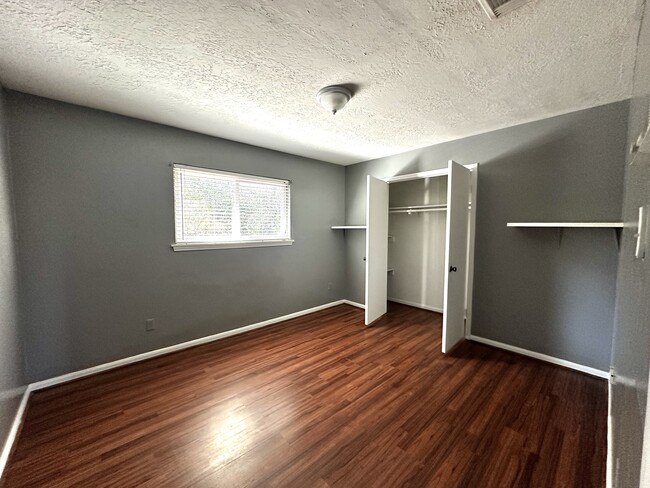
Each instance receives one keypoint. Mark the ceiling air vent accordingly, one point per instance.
(498, 8)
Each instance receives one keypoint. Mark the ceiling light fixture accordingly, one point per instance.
(334, 97)
(497, 8)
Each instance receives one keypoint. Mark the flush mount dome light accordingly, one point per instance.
(333, 98)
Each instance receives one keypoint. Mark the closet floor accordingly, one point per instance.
(321, 401)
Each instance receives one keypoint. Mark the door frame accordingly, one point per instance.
(469, 280)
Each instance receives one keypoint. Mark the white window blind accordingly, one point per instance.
(216, 209)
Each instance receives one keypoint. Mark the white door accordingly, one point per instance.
(458, 191)
(376, 249)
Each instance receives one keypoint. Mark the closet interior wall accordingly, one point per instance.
(416, 243)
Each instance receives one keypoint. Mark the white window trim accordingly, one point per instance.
(199, 246)
(235, 244)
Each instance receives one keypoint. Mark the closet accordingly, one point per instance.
(420, 245)
(417, 218)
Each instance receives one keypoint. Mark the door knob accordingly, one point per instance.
(453, 268)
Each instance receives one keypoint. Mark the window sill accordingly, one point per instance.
(198, 246)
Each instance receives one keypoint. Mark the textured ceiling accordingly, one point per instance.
(427, 70)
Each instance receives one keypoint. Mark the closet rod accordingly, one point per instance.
(412, 207)
(419, 210)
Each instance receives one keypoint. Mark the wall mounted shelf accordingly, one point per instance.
(560, 226)
(602, 225)
(349, 227)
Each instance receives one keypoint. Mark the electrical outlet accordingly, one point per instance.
(149, 325)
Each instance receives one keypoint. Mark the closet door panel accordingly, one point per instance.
(458, 191)
(376, 249)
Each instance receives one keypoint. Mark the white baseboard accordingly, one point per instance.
(354, 304)
(609, 476)
(416, 305)
(39, 385)
(11, 437)
(15, 427)
(543, 357)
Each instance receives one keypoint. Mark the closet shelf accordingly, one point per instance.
(602, 225)
(349, 227)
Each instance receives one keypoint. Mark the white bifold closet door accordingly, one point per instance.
(376, 248)
(458, 191)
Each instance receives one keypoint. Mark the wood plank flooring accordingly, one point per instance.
(321, 401)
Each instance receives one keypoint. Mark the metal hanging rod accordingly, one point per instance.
(419, 210)
(414, 207)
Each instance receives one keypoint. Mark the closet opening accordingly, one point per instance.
(420, 245)
(417, 220)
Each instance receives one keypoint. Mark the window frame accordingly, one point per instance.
(232, 244)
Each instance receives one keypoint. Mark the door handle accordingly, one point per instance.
(453, 268)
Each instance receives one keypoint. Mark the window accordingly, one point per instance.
(216, 209)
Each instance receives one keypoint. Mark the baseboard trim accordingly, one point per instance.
(609, 471)
(416, 305)
(15, 428)
(354, 304)
(543, 357)
(39, 385)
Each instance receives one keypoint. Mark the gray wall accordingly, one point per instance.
(530, 289)
(11, 358)
(631, 348)
(94, 208)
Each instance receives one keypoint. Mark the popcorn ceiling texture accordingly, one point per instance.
(427, 71)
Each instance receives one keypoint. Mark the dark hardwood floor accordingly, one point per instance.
(321, 401)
